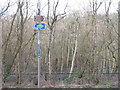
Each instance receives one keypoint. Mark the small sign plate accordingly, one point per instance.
(38, 18)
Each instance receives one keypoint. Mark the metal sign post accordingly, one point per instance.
(39, 26)
(38, 58)
(38, 5)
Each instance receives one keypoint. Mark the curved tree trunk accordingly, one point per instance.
(74, 54)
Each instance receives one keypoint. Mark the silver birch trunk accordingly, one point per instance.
(74, 54)
(68, 53)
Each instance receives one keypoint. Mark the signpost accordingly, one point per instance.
(39, 26)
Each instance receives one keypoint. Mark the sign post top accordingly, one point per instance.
(38, 12)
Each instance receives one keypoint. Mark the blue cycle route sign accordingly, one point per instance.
(39, 26)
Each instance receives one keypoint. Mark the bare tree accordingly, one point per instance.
(51, 21)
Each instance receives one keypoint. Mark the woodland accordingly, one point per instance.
(79, 49)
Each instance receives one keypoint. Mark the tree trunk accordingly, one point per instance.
(74, 54)
(0, 55)
(68, 52)
(49, 55)
(119, 45)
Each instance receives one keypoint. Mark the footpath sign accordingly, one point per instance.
(39, 26)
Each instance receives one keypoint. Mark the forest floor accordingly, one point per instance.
(104, 82)
(30, 85)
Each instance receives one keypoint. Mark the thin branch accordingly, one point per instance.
(5, 8)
